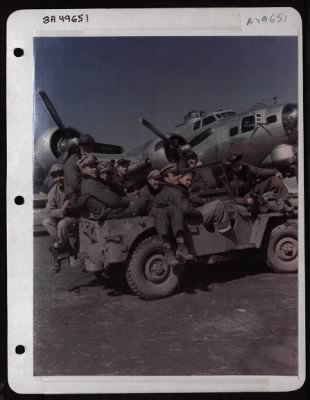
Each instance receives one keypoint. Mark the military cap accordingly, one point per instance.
(105, 166)
(232, 159)
(155, 173)
(171, 167)
(123, 161)
(85, 138)
(87, 159)
(56, 168)
(190, 155)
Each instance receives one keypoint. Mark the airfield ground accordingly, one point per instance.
(229, 319)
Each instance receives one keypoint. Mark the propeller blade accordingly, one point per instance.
(201, 137)
(104, 148)
(62, 158)
(152, 128)
(51, 109)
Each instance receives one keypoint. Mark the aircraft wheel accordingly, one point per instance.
(148, 274)
(282, 250)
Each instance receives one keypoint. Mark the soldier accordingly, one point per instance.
(247, 181)
(59, 216)
(169, 216)
(172, 206)
(100, 201)
(150, 190)
(213, 212)
(105, 169)
(203, 179)
(119, 179)
(72, 173)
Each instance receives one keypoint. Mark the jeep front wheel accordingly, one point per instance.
(148, 274)
(282, 251)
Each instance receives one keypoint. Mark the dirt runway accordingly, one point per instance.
(227, 320)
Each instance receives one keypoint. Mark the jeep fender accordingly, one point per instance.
(264, 224)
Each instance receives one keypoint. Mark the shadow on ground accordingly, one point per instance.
(198, 277)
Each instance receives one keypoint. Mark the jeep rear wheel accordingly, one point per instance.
(282, 251)
(148, 274)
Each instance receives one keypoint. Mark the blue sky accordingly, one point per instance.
(103, 85)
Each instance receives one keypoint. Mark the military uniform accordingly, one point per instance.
(121, 184)
(72, 174)
(100, 200)
(203, 180)
(57, 222)
(172, 205)
(257, 180)
(144, 202)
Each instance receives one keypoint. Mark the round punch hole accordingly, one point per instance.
(20, 349)
(18, 52)
(19, 200)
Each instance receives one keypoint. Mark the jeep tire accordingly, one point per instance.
(148, 275)
(282, 249)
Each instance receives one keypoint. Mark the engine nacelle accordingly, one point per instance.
(283, 157)
(155, 151)
(51, 144)
(46, 148)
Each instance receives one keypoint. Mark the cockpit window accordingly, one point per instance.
(271, 119)
(228, 113)
(248, 124)
(208, 120)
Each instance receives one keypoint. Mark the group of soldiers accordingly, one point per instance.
(103, 191)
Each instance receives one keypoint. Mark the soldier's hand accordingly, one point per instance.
(65, 204)
(279, 175)
(249, 201)
(133, 195)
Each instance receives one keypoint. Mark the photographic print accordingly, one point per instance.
(166, 222)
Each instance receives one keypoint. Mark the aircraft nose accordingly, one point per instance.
(290, 121)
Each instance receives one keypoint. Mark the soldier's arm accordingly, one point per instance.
(262, 172)
(75, 180)
(182, 203)
(73, 175)
(111, 199)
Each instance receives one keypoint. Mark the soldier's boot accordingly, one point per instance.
(169, 255)
(182, 252)
(56, 267)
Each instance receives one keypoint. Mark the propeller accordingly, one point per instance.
(176, 145)
(51, 109)
(201, 137)
(69, 136)
(152, 128)
(290, 121)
